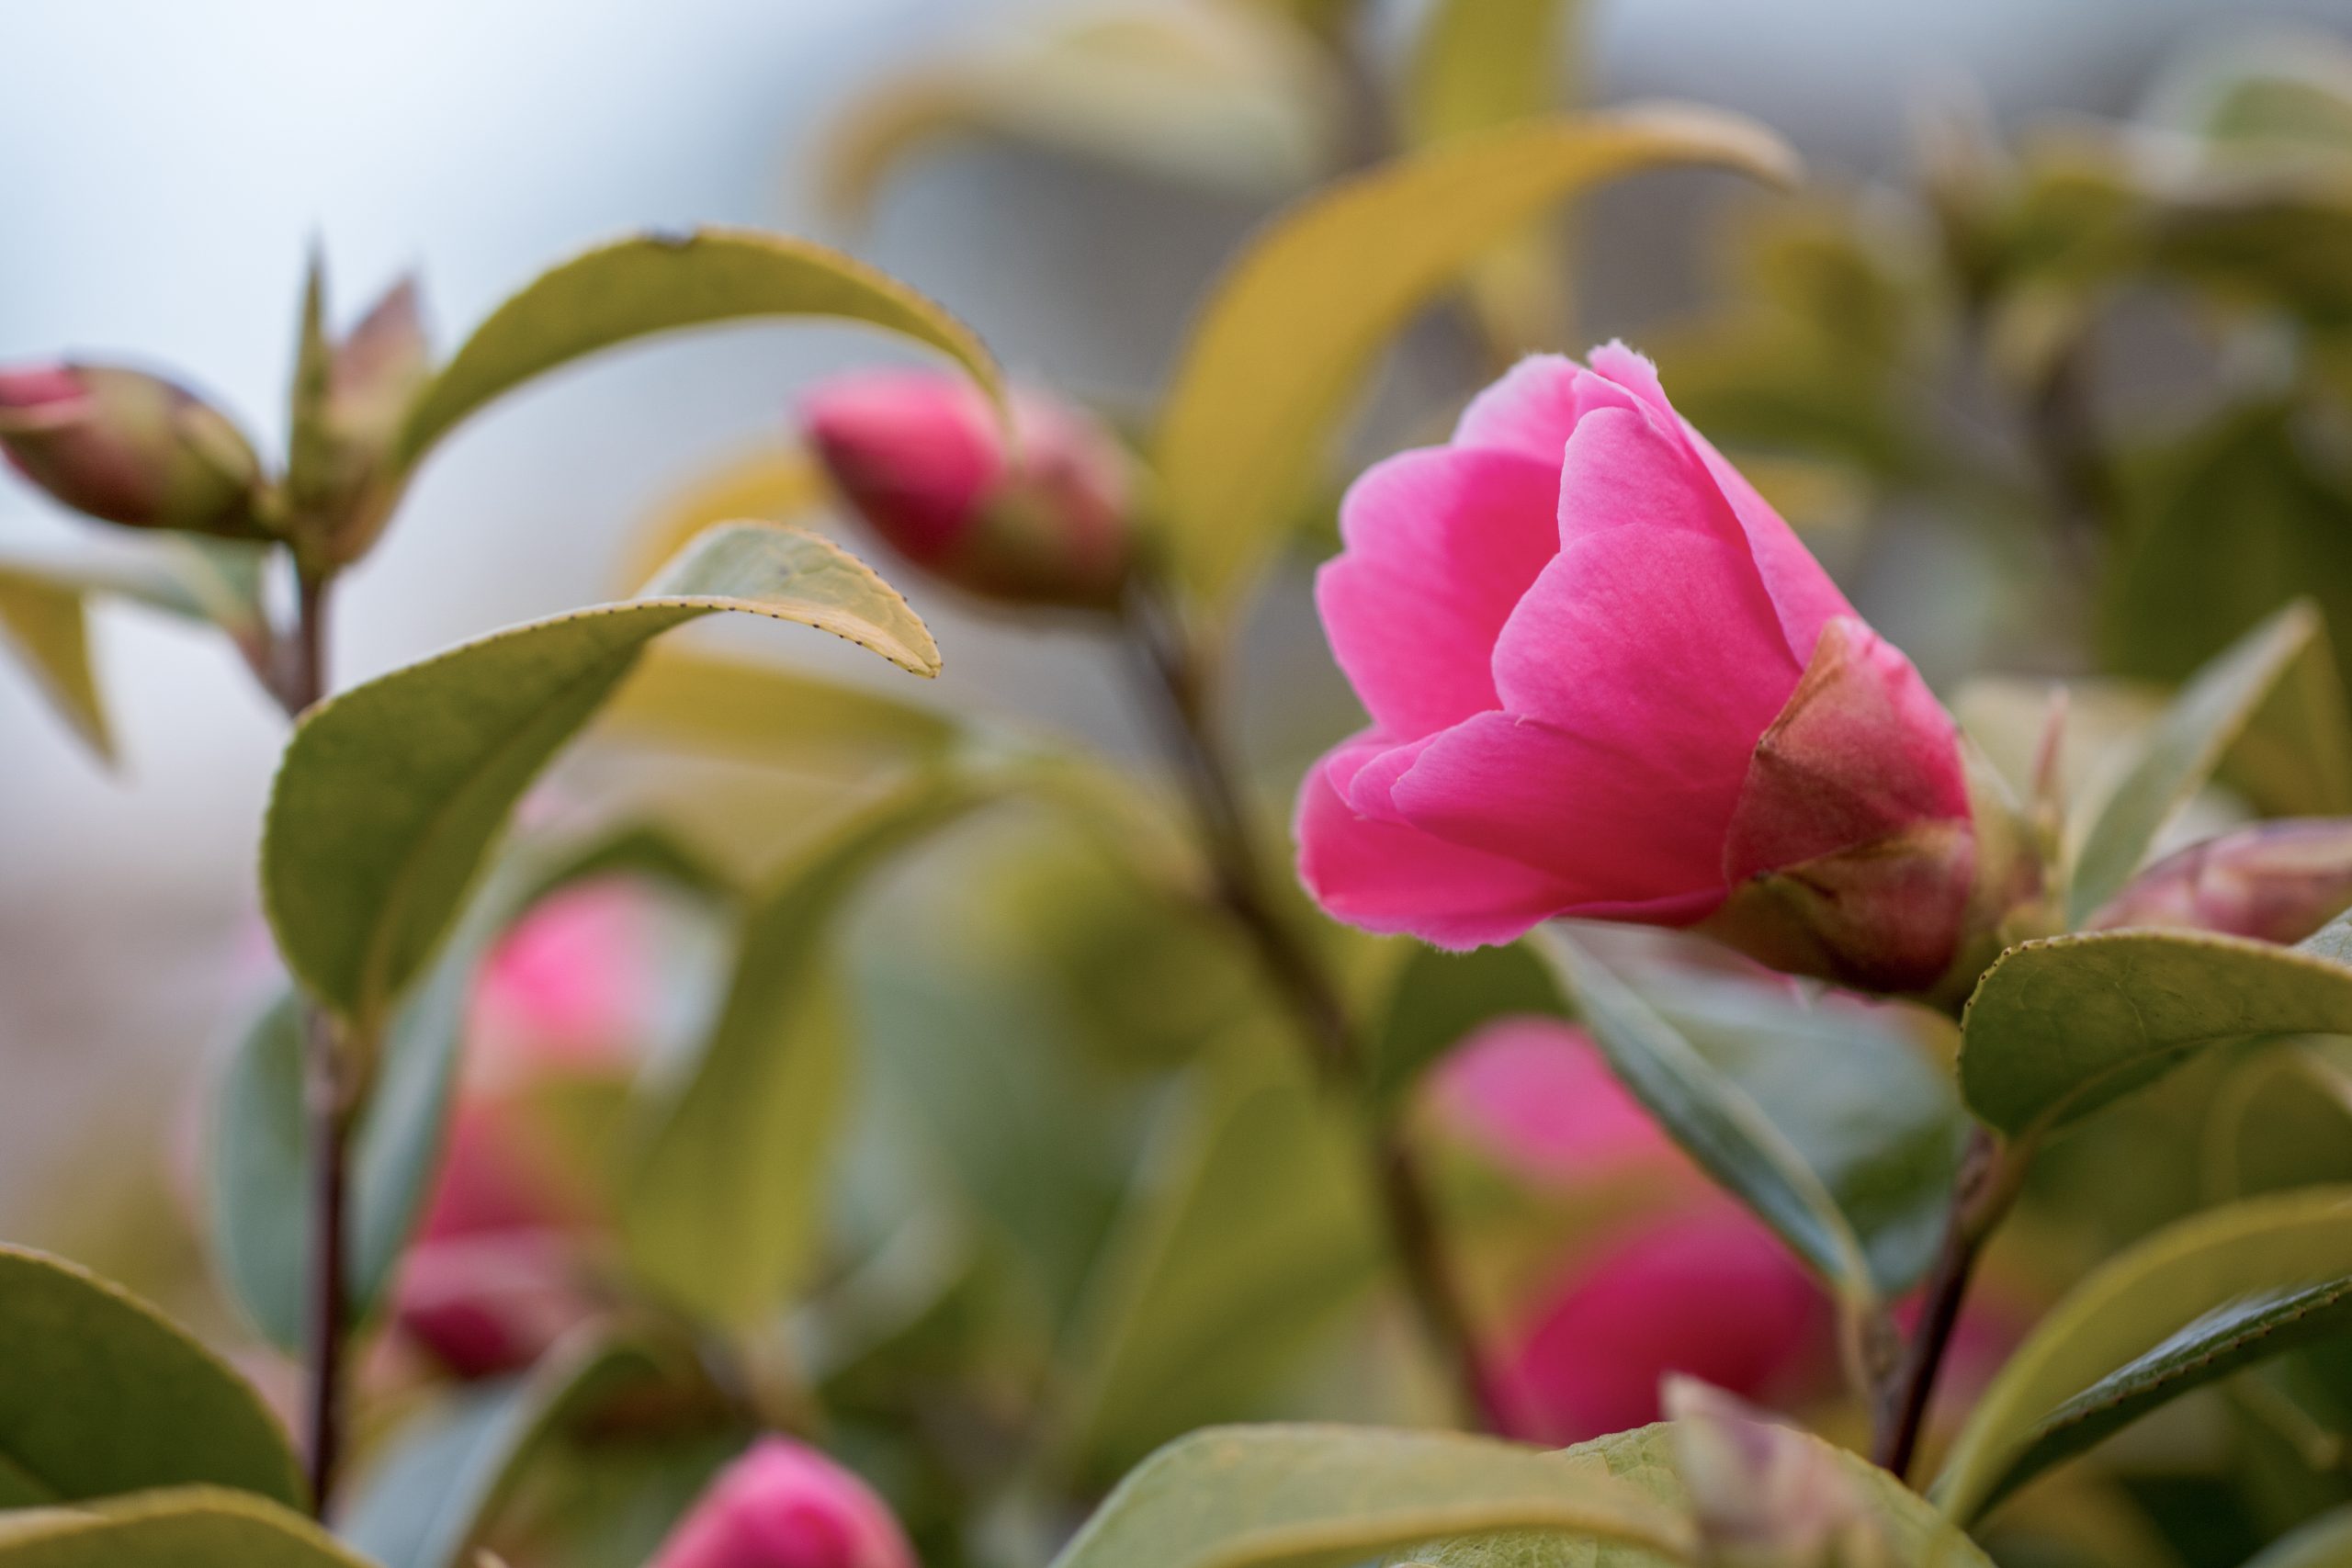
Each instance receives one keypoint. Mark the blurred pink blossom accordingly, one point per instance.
(784, 1505)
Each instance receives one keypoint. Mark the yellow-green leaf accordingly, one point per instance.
(1482, 62)
(44, 622)
(2323, 1542)
(654, 283)
(1310, 1496)
(391, 794)
(100, 1394)
(1290, 329)
(2059, 1027)
(778, 486)
(2192, 1302)
(181, 1527)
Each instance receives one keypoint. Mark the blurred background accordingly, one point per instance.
(168, 166)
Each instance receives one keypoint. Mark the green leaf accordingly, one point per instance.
(1647, 1460)
(656, 283)
(1850, 1086)
(2322, 1542)
(2195, 1301)
(722, 1203)
(1482, 62)
(391, 794)
(741, 708)
(2181, 753)
(1307, 1496)
(100, 1394)
(44, 622)
(1246, 1239)
(191, 1527)
(1285, 337)
(431, 1497)
(1439, 999)
(2059, 1027)
(1715, 1119)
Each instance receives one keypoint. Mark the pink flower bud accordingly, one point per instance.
(2275, 882)
(783, 1504)
(1710, 1293)
(919, 455)
(1606, 682)
(130, 447)
(487, 1304)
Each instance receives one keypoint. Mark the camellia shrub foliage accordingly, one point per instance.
(1671, 1086)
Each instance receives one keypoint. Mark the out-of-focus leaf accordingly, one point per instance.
(2266, 98)
(779, 486)
(2323, 1542)
(1715, 1119)
(688, 700)
(1247, 1238)
(101, 1394)
(1852, 1087)
(428, 1500)
(190, 575)
(656, 283)
(1288, 332)
(391, 794)
(178, 1527)
(1208, 94)
(2194, 1302)
(721, 1208)
(1306, 1496)
(1439, 998)
(2181, 752)
(44, 622)
(2059, 1027)
(1647, 1459)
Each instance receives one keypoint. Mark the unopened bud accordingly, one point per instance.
(352, 397)
(1765, 1496)
(488, 1304)
(784, 1505)
(921, 458)
(130, 447)
(2275, 882)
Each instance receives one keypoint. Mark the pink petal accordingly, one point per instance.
(1537, 1094)
(1536, 406)
(1389, 877)
(1441, 544)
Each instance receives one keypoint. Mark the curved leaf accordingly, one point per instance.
(433, 1496)
(2181, 752)
(391, 794)
(101, 1394)
(1310, 1496)
(722, 1201)
(1715, 1119)
(2062, 1026)
(2323, 1542)
(1285, 337)
(1650, 1460)
(654, 283)
(43, 621)
(191, 1527)
(689, 700)
(777, 485)
(2195, 1301)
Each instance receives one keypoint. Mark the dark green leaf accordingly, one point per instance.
(101, 1394)
(1304, 1496)
(391, 794)
(2323, 1542)
(2196, 1300)
(2059, 1027)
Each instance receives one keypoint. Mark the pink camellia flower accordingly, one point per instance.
(920, 455)
(1536, 1094)
(128, 447)
(2275, 882)
(571, 988)
(1606, 682)
(1709, 1292)
(783, 1504)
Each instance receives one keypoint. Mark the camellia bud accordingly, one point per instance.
(130, 447)
(351, 398)
(921, 458)
(1765, 1495)
(2275, 882)
(784, 1505)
